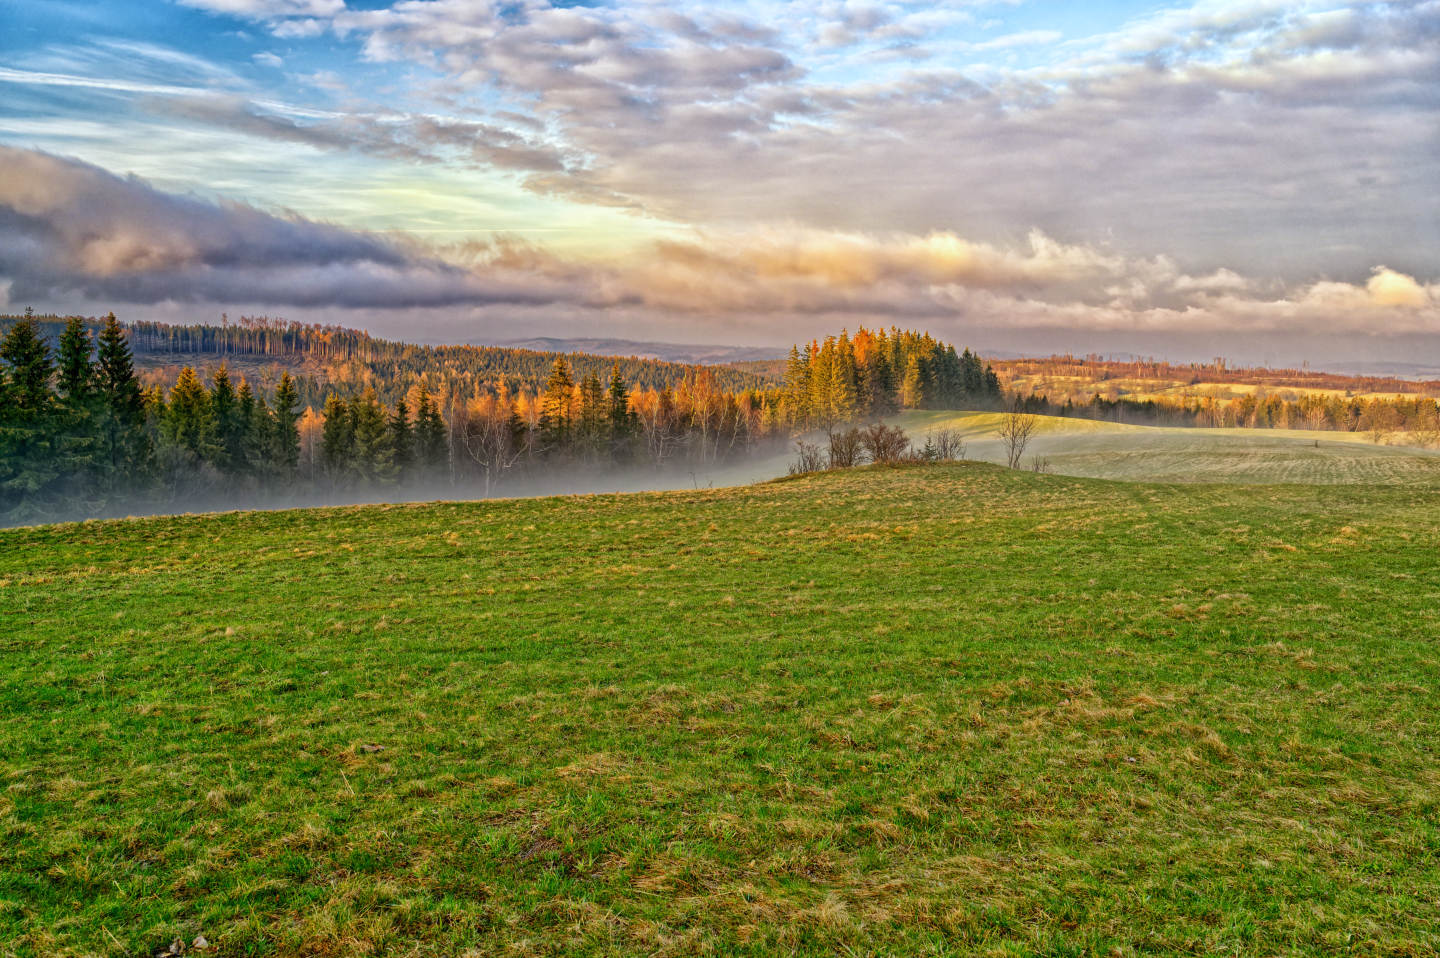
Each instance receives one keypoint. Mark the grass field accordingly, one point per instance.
(929, 710)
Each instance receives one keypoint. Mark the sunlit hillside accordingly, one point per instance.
(927, 710)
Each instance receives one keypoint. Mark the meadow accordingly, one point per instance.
(943, 709)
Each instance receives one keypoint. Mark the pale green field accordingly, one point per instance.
(1102, 450)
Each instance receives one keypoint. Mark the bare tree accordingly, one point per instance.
(1016, 428)
(845, 449)
(490, 441)
(946, 444)
(808, 458)
(887, 444)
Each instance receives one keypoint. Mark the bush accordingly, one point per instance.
(886, 444)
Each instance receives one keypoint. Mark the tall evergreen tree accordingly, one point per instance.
(126, 451)
(28, 468)
(77, 373)
(286, 431)
(432, 451)
(402, 441)
(912, 387)
(337, 440)
(622, 420)
(189, 420)
(555, 406)
(229, 424)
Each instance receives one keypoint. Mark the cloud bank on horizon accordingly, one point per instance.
(999, 171)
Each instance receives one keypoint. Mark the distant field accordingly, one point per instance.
(931, 710)
(1104, 450)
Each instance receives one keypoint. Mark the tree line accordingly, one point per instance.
(1415, 418)
(322, 359)
(82, 431)
(81, 434)
(876, 374)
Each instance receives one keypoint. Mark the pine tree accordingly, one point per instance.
(432, 450)
(912, 387)
(797, 385)
(77, 375)
(372, 447)
(28, 467)
(593, 409)
(402, 441)
(126, 451)
(189, 421)
(622, 420)
(337, 440)
(285, 456)
(76, 430)
(229, 426)
(880, 385)
(555, 406)
(253, 439)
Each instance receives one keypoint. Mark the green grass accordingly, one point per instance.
(939, 710)
(1103, 450)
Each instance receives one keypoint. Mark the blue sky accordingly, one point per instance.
(1015, 172)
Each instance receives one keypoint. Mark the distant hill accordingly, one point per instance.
(707, 354)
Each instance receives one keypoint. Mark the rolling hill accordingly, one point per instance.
(945, 709)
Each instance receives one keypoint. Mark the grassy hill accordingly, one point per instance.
(939, 709)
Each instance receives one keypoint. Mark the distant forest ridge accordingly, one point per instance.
(1094, 369)
(326, 359)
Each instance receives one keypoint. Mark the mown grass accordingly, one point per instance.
(931, 710)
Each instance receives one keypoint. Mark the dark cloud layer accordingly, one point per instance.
(71, 231)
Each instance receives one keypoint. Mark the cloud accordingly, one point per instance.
(1389, 288)
(68, 227)
(68, 230)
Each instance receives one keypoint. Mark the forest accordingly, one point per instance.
(83, 434)
(325, 359)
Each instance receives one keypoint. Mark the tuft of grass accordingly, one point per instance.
(931, 710)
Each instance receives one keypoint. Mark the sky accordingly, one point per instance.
(1256, 180)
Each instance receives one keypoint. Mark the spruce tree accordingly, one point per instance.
(28, 466)
(77, 374)
(337, 440)
(189, 420)
(126, 451)
(622, 420)
(555, 405)
(402, 441)
(252, 439)
(431, 449)
(285, 432)
(229, 426)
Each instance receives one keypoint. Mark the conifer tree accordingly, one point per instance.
(432, 450)
(254, 429)
(77, 374)
(189, 420)
(27, 419)
(593, 409)
(337, 439)
(622, 420)
(912, 387)
(402, 441)
(229, 427)
(286, 432)
(555, 407)
(372, 447)
(126, 451)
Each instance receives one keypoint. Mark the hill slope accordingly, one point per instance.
(1106, 450)
(921, 710)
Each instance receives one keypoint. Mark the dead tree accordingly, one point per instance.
(1016, 428)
